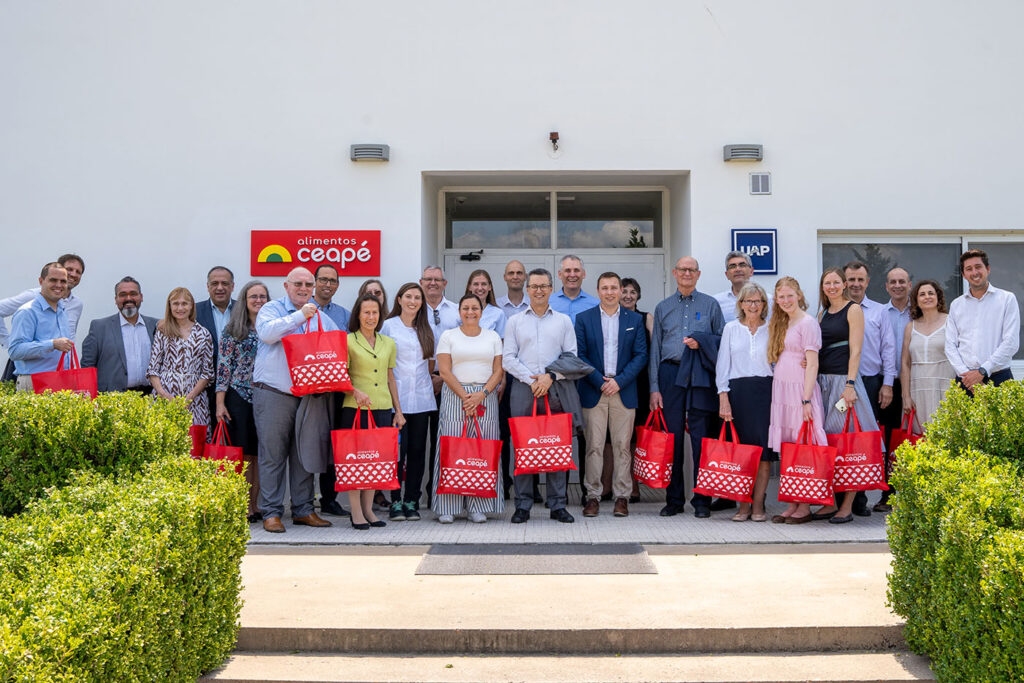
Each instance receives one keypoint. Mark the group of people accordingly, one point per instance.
(428, 365)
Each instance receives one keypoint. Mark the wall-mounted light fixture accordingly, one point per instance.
(743, 152)
(370, 152)
(553, 137)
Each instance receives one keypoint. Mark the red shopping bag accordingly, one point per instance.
(198, 434)
(727, 470)
(652, 458)
(469, 467)
(904, 433)
(317, 360)
(806, 472)
(860, 463)
(542, 443)
(365, 459)
(221, 449)
(75, 379)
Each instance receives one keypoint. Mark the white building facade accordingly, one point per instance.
(152, 138)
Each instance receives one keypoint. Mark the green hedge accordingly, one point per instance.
(45, 439)
(127, 578)
(957, 538)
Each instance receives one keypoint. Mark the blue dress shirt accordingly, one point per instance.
(493, 318)
(33, 328)
(336, 312)
(276, 320)
(676, 318)
(898, 319)
(878, 353)
(570, 307)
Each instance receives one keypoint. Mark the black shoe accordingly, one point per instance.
(671, 510)
(701, 513)
(862, 511)
(841, 520)
(562, 515)
(333, 508)
(378, 524)
(819, 516)
(605, 497)
(255, 517)
(365, 526)
(520, 516)
(634, 499)
(722, 504)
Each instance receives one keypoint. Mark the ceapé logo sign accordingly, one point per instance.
(355, 253)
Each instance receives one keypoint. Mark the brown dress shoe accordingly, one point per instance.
(273, 525)
(591, 508)
(312, 519)
(621, 508)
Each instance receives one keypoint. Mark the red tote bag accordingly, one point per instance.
(542, 443)
(727, 470)
(365, 459)
(469, 467)
(904, 433)
(198, 434)
(317, 360)
(221, 449)
(75, 379)
(652, 458)
(807, 470)
(860, 463)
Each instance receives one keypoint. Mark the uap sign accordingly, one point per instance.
(353, 252)
(760, 244)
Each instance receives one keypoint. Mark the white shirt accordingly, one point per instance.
(532, 342)
(137, 348)
(72, 306)
(610, 332)
(444, 317)
(741, 354)
(412, 370)
(493, 318)
(472, 357)
(220, 320)
(983, 332)
(878, 353)
(727, 301)
(509, 308)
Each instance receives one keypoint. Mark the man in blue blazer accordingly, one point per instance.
(613, 340)
(118, 346)
(214, 313)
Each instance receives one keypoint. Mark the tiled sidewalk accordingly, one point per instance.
(642, 526)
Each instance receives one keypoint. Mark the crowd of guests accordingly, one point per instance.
(428, 364)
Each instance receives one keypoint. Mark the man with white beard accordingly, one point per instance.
(118, 346)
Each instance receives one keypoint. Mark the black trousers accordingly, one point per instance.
(701, 423)
(412, 455)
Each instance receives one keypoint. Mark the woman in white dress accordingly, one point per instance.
(925, 372)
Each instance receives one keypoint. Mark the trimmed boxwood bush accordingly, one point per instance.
(126, 578)
(957, 538)
(44, 439)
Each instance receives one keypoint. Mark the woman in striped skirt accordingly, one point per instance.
(469, 362)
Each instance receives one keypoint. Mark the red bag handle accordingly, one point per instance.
(856, 421)
(220, 434)
(369, 416)
(309, 321)
(805, 434)
(907, 424)
(547, 405)
(732, 426)
(465, 429)
(73, 363)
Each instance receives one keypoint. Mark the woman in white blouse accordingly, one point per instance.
(493, 318)
(745, 386)
(409, 327)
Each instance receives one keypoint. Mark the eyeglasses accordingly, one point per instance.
(686, 271)
(258, 297)
(307, 284)
(437, 317)
(432, 279)
(327, 280)
(751, 302)
(538, 288)
(736, 266)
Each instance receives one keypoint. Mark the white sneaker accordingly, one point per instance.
(446, 519)
(477, 517)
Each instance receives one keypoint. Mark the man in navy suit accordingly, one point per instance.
(214, 313)
(118, 346)
(613, 340)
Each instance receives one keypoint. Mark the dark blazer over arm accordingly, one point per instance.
(632, 356)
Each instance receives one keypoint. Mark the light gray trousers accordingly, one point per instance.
(274, 414)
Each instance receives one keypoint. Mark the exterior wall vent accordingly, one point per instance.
(743, 152)
(760, 183)
(366, 152)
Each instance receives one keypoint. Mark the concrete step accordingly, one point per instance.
(246, 667)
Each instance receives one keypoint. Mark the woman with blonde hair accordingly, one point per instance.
(794, 339)
(181, 361)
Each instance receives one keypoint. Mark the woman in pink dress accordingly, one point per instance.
(793, 338)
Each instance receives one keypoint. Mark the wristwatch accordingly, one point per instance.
(805, 402)
(552, 376)
(486, 392)
(851, 383)
(983, 371)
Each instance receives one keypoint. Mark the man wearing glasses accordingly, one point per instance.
(275, 408)
(738, 270)
(326, 277)
(687, 329)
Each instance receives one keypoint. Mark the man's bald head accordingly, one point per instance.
(299, 286)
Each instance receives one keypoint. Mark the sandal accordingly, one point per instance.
(741, 517)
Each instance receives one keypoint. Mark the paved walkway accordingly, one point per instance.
(642, 526)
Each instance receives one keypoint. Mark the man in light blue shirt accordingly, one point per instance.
(572, 299)
(515, 300)
(276, 409)
(326, 277)
(40, 331)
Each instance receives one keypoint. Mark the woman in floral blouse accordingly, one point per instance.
(234, 382)
(181, 361)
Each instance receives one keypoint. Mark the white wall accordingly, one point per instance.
(151, 137)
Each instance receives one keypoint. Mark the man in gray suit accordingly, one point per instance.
(118, 346)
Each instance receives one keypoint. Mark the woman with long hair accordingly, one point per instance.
(181, 360)
(842, 338)
(493, 318)
(371, 365)
(408, 326)
(794, 339)
(925, 372)
(235, 361)
(469, 360)
(744, 380)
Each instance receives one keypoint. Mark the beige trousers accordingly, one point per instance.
(609, 416)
